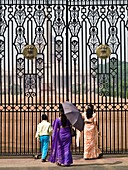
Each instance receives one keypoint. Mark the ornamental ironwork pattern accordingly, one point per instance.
(30, 85)
(58, 23)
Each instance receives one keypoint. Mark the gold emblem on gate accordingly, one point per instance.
(30, 52)
(103, 51)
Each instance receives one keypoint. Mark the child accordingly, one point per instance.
(44, 131)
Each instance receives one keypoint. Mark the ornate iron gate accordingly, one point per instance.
(66, 34)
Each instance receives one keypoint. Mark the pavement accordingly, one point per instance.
(107, 162)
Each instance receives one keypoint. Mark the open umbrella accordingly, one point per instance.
(73, 115)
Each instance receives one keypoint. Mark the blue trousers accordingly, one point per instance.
(44, 145)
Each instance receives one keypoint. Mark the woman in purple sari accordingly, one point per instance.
(61, 141)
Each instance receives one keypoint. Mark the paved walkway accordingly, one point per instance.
(108, 162)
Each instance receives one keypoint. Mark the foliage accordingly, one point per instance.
(118, 78)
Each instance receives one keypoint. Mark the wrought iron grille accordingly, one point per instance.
(66, 35)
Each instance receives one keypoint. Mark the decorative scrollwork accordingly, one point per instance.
(20, 15)
(39, 15)
(30, 85)
(20, 67)
(113, 40)
(40, 41)
(94, 67)
(74, 47)
(93, 15)
(40, 67)
(1, 49)
(74, 23)
(112, 15)
(113, 66)
(59, 49)
(20, 41)
(3, 23)
(58, 23)
(103, 84)
(93, 40)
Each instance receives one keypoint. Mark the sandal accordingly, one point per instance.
(57, 163)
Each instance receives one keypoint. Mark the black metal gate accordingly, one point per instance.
(66, 34)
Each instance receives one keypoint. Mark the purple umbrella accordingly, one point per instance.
(73, 115)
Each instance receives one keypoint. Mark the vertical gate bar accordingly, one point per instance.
(106, 95)
(5, 101)
(82, 53)
(13, 74)
(63, 74)
(47, 72)
(114, 113)
(8, 89)
(24, 102)
(118, 134)
(67, 55)
(49, 64)
(110, 103)
(32, 104)
(28, 72)
(102, 102)
(117, 101)
(79, 70)
(28, 124)
(121, 83)
(90, 79)
(98, 106)
(20, 114)
(36, 106)
(1, 132)
(109, 110)
(63, 63)
(114, 105)
(51, 72)
(55, 70)
(125, 88)
(59, 80)
(74, 79)
(70, 58)
(1, 77)
(16, 80)
(126, 84)
(55, 99)
(86, 63)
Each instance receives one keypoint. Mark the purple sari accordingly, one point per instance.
(61, 144)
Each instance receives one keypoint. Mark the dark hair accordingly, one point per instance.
(61, 108)
(44, 117)
(89, 111)
(63, 119)
(90, 106)
(62, 115)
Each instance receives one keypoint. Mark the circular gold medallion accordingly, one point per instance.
(103, 51)
(30, 52)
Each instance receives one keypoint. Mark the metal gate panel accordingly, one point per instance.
(66, 35)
